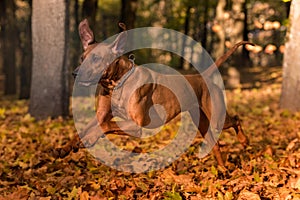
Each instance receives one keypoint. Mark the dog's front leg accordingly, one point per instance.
(105, 126)
(104, 109)
(75, 143)
(91, 132)
(103, 114)
(127, 128)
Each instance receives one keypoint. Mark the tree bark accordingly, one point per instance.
(290, 97)
(76, 12)
(237, 34)
(128, 12)
(205, 31)
(49, 86)
(89, 11)
(220, 45)
(74, 41)
(185, 65)
(2, 35)
(245, 33)
(9, 56)
(26, 63)
(288, 8)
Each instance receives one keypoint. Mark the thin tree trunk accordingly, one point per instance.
(245, 34)
(26, 63)
(288, 8)
(2, 39)
(290, 97)
(205, 32)
(220, 45)
(128, 12)
(89, 11)
(10, 49)
(76, 14)
(128, 16)
(237, 33)
(184, 65)
(75, 50)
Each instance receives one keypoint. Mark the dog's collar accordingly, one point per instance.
(126, 76)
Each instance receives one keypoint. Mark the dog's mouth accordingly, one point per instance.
(86, 82)
(87, 77)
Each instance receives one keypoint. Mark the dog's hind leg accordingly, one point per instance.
(203, 126)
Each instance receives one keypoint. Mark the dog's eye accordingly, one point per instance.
(81, 58)
(95, 58)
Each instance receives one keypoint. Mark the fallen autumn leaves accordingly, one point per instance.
(268, 169)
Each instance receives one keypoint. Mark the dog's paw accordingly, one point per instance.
(205, 149)
(243, 139)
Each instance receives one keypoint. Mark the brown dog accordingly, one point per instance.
(131, 92)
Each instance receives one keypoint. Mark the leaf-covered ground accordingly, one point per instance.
(269, 168)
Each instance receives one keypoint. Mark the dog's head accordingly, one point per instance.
(97, 57)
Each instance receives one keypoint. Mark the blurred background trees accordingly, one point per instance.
(216, 24)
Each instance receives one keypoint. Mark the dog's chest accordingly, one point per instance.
(119, 103)
(121, 96)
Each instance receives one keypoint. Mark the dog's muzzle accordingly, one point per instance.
(83, 82)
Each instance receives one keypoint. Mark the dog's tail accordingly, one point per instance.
(209, 71)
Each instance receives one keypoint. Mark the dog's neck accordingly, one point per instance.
(117, 70)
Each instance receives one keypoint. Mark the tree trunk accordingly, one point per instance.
(9, 56)
(290, 97)
(288, 8)
(185, 65)
(205, 32)
(2, 35)
(246, 55)
(220, 32)
(237, 33)
(89, 11)
(76, 12)
(128, 12)
(26, 63)
(74, 40)
(49, 86)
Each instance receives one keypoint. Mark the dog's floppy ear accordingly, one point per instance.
(86, 34)
(118, 46)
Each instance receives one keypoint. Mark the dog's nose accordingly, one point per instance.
(75, 72)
